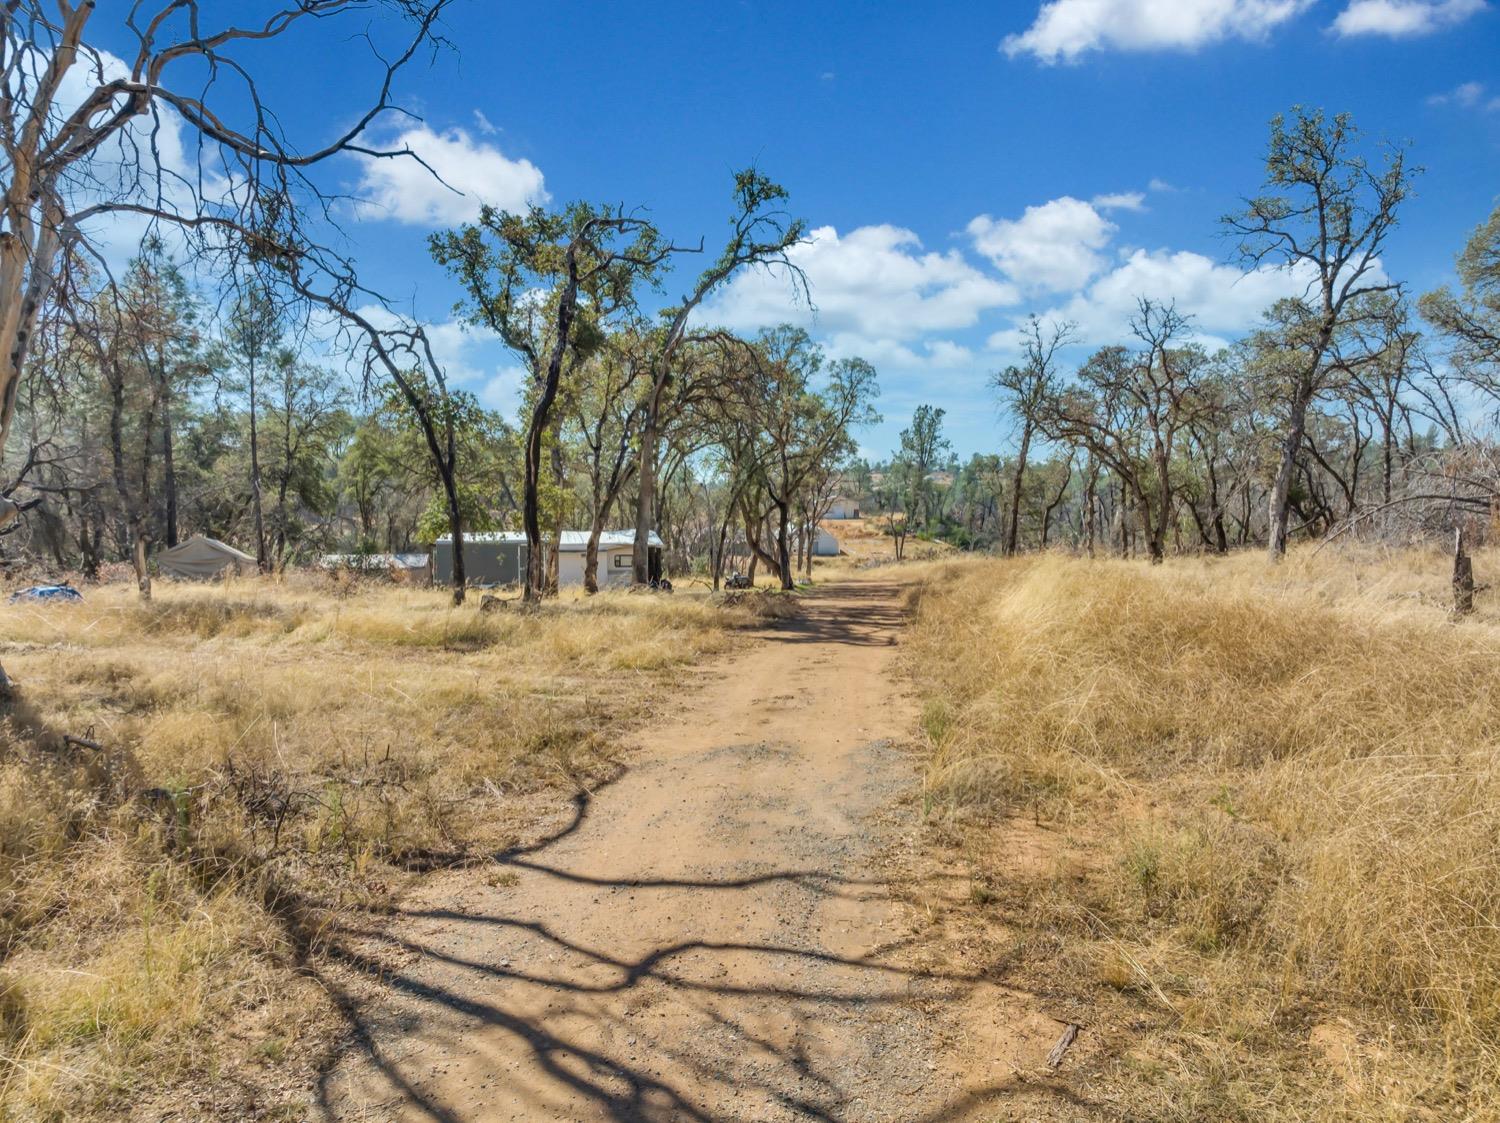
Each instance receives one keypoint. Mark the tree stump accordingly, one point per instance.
(1463, 576)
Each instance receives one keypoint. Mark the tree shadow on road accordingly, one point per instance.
(546, 1018)
(453, 997)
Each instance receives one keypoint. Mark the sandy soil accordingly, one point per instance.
(728, 931)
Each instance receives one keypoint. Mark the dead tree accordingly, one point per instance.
(762, 235)
(68, 161)
(1025, 390)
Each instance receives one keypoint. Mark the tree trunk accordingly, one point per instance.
(1164, 512)
(1156, 534)
(284, 477)
(536, 562)
(1089, 502)
(1153, 526)
(138, 563)
(22, 295)
(169, 474)
(134, 516)
(784, 546)
(718, 558)
(645, 500)
(1056, 502)
(591, 556)
(1280, 500)
(1216, 509)
(91, 546)
(758, 552)
(554, 562)
(1386, 459)
(283, 484)
(531, 512)
(1012, 532)
(1281, 490)
(256, 506)
(455, 531)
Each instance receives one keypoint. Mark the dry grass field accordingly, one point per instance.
(867, 541)
(192, 790)
(1242, 822)
(1246, 819)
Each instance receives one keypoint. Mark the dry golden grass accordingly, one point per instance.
(867, 542)
(271, 755)
(1274, 796)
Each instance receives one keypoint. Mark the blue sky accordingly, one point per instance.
(962, 164)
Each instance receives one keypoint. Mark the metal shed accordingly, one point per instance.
(499, 558)
(489, 559)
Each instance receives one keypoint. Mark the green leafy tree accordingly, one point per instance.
(1469, 320)
(803, 417)
(549, 284)
(923, 447)
(1327, 213)
(761, 233)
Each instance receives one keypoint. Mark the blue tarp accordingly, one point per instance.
(47, 592)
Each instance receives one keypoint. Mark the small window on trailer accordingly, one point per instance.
(619, 561)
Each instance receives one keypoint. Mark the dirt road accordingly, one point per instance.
(709, 937)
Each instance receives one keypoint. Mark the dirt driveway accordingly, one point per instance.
(713, 936)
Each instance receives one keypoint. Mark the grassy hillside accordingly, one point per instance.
(195, 791)
(1250, 817)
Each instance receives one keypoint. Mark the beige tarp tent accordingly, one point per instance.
(202, 559)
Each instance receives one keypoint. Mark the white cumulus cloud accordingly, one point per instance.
(888, 354)
(874, 283)
(1402, 18)
(1223, 300)
(1053, 246)
(400, 188)
(1065, 29)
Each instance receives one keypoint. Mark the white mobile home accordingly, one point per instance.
(499, 557)
(409, 566)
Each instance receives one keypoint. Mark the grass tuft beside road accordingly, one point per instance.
(1272, 803)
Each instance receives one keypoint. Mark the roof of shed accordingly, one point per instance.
(572, 540)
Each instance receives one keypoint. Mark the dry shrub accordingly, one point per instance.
(206, 617)
(759, 603)
(1293, 775)
(271, 756)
